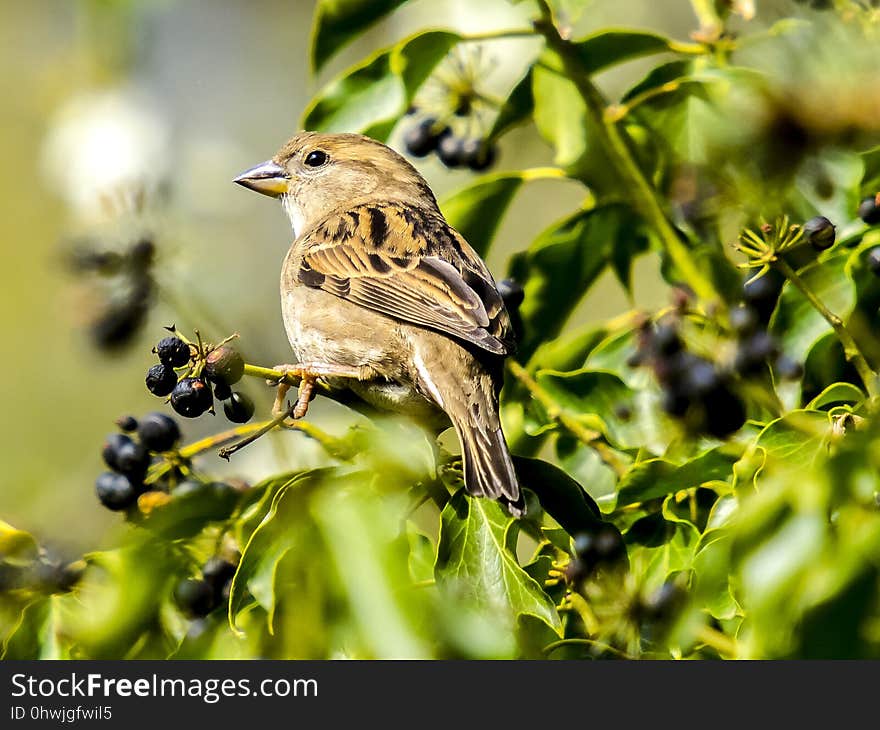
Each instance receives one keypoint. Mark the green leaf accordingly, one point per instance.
(594, 394)
(561, 496)
(16, 546)
(611, 47)
(836, 393)
(284, 527)
(372, 95)
(562, 263)
(421, 555)
(560, 113)
(657, 477)
(37, 634)
(516, 109)
(188, 514)
(360, 532)
(476, 558)
(796, 324)
(338, 22)
(476, 210)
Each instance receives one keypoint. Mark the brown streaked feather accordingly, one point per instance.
(406, 262)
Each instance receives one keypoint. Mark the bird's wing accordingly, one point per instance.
(408, 263)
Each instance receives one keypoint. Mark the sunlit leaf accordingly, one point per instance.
(476, 559)
(338, 22)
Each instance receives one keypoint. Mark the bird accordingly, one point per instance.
(381, 295)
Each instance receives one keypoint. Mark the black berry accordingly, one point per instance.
(421, 139)
(869, 210)
(699, 379)
(218, 574)
(110, 451)
(819, 231)
(763, 292)
(743, 320)
(874, 261)
(450, 150)
(666, 340)
(754, 352)
(127, 423)
(158, 432)
(191, 397)
(195, 597)
(724, 413)
(173, 351)
(788, 369)
(132, 460)
(511, 292)
(224, 363)
(115, 491)
(675, 403)
(239, 408)
(222, 390)
(477, 154)
(161, 379)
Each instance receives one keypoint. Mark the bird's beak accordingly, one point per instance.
(267, 178)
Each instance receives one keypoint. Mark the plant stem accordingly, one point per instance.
(617, 146)
(850, 348)
(495, 35)
(587, 436)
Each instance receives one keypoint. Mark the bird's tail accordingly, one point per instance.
(488, 468)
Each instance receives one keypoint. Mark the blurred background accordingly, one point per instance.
(123, 125)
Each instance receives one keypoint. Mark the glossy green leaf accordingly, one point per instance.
(372, 95)
(561, 496)
(516, 109)
(836, 393)
(476, 210)
(611, 47)
(38, 632)
(338, 22)
(657, 477)
(283, 528)
(562, 263)
(16, 546)
(796, 323)
(476, 558)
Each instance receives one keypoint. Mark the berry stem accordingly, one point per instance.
(587, 436)
(850, 348)
(617, 145)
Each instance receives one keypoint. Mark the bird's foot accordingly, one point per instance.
(308, 374)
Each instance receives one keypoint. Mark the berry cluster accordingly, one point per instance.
(131, 288)
(450, 117)
(208, 372)
(592, 551)
(198, 597)
(430, 135)
(129, 454)
(694, 389)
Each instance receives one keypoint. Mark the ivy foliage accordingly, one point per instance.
(650, 532)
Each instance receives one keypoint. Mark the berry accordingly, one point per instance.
(115, 491)
(239, 408)
(661, 604)
(874, 261)
(109, 452)
(158, 432)
(754, 352)
(224, 363)
(819, 231)
(743, 320)
(675, 403)
(132, 459)
(421, 140)
(173, 351)
(218, 573)
(450, 150)
(477, 154)
(127, 423)
(195, 597)
(869, 210)
(583, 545)
(609, 545)
(161, 379)
(511, 292)
(724, 413)
(222, 390)
(763, 292)
(666, 340)
(699, 379)
(191, 397)
(788, 369)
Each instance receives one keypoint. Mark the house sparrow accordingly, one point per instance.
(379, 294)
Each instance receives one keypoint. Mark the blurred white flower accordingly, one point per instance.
(107, 152)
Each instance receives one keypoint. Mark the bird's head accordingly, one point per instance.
(315, 174)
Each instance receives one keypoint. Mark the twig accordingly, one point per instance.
(587, 436)
(618, 148)
(850, 348)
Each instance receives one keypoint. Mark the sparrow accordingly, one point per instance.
(381, 295)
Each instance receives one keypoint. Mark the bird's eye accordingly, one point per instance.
(316, 158)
